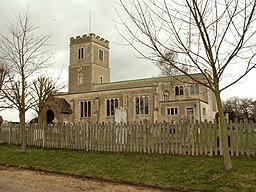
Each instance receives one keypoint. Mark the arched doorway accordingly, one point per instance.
(50, 116)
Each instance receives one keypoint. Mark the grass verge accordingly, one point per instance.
(166, 171)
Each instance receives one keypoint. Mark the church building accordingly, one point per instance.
(92, 97)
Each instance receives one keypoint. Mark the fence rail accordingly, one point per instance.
(183, 139)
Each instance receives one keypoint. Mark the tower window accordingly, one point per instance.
(101, 55)
(80, 53)
(141, 105)
(80, 79)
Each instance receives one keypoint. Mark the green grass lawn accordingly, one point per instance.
(178, 172)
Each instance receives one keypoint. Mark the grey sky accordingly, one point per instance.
(69, 18)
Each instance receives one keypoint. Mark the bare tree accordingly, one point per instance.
(43, 89)
(213, 36)
(25, 52)
(242, 107)
(166, 68)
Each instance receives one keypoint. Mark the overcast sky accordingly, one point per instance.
(68, 18)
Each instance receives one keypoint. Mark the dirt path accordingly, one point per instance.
(17, 180)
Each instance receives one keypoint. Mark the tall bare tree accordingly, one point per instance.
(213, 36)
(25, 52)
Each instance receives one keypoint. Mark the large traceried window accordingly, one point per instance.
(142, 105)
(112, 104)
(179, 90)
(85, 109)
(80, 53)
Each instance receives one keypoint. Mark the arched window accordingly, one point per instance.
(80, 53)
(80, 79)
(179, 90)
(50, 116)
(166, 95)
(101, 54)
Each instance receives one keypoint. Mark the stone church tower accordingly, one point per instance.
(89, 63)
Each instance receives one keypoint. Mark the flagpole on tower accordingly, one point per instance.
(90, 21)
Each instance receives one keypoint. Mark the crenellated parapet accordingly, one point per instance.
(89, 38)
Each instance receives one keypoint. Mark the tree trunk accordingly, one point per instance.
(23, 132)
(223, 133)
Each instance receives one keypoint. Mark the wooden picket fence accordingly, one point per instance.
(165, 138)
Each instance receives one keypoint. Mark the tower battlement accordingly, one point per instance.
(89, 38)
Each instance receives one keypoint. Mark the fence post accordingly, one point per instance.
(247, 145)
(253, 129)
(210, 138)
(9, 135)
(145, 139)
